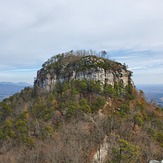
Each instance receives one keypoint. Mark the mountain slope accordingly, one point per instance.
(79, 118)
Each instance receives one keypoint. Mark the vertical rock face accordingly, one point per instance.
(45, 81)
(87, 67)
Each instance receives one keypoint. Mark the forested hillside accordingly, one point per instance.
(78, 118)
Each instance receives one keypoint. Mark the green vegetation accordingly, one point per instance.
(71, 121)
(126, 152)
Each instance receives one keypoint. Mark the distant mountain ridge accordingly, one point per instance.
(152, 92)
(17, 84)
(9, 88)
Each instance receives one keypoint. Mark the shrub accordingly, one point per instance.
(93, 86)
(1, 134)
(72, 109)
(126, 152)
(81, 85)
(28, 141)
(124, 109)
(138, 119)
(47, 132)
(159, 138)
(98, 103)
(6, 110)
(109, 90)
(84, 105)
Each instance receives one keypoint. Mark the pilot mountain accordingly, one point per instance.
(83, 107)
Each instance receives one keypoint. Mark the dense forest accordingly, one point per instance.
(75, 120)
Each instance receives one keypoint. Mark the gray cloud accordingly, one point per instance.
(34, 30)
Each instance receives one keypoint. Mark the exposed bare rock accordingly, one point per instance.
(88, 67)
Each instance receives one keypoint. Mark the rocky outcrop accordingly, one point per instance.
(102, 152)
(87, 67)
(155, 161)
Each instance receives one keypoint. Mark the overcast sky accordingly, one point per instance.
(31, 31)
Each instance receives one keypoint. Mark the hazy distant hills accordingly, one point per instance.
(153, 92)
(8, 88)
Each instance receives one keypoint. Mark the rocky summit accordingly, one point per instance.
(78, 66)
(83, 108)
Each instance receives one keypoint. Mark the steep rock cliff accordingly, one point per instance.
(65, 67)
